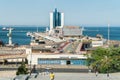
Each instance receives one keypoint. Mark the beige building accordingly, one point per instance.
(55, 59)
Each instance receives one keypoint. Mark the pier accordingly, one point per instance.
(36, 35)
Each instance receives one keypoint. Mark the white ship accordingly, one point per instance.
(4, 28)
(28, 33)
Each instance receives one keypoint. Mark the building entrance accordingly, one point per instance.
(68, 62)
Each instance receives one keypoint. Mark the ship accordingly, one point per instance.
(4, 28)
(28, 33)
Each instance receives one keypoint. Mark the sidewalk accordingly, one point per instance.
(79, 76)
(8, 75)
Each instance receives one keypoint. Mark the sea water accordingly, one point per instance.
(19, 33)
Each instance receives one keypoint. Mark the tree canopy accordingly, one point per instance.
(22, 69)
(105, 60)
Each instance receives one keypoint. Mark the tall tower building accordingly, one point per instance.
(56, 19)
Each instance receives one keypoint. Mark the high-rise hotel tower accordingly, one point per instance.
(56, 19)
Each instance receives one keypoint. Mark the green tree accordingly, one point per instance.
(105, 59)
(5, 61)
(22, 69)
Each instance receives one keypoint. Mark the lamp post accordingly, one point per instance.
(96, 70)
(108, 34)
(108, 48)
(107, 73)
(107, 62)
(30, 62)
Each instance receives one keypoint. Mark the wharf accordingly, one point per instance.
(43, 35)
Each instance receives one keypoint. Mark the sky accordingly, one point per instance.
(77, 12)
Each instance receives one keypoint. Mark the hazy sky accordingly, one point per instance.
(77, 12)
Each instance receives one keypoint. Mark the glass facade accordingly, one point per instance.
(78, 62)
(56, 18)
(62, 62)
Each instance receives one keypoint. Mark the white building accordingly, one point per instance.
(55, 59)
(59, 59)
(97, 43)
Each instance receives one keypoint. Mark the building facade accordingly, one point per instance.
(72, 31)
(56, 19)
(56, 59)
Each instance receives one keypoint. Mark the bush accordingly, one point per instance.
(22, 69)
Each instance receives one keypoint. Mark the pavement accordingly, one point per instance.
(77, 76)
(71, 76)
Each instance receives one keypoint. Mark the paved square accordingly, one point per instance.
(78, 76)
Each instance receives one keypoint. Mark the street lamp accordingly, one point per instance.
(30, 62)
(107, 62)
(107, 73)
(96, 70)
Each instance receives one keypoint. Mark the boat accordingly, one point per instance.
(4, 28)
(28, 33)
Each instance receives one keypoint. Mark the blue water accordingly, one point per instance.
(19, 33)
(93, 31)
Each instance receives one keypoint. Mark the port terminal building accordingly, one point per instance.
(55, 59)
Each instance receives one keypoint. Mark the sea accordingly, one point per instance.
(19, 33)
